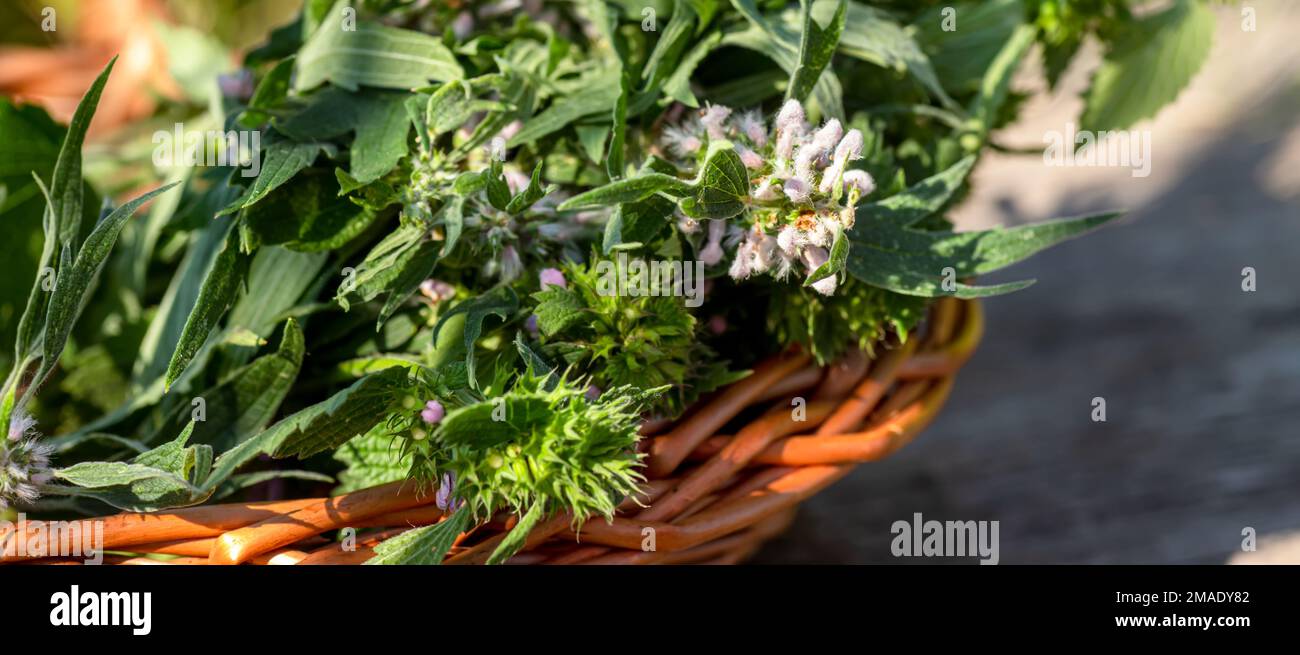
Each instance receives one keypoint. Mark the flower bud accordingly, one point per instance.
(790, 118)
(860, 180)
(433, 412)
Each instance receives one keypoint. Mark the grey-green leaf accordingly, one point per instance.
(632, 189)
(350, 54)
(913, 262)
(219, 290)
(73, 282)
(816, 47)
(65, 187)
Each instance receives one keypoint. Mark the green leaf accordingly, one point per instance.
(531, 194)
(337, 420)
(835, 263)
(495, 186)
(381, 138)
(452, 218)
(162, 478)
(349, 54)
(517, 536)
(425, 545)
(270, 91)
(65, 188)
(816, 47)
(997, 79)
(678, 84)
(306, 214)
(372, 459)
(72, 285)
(284, 159)
(637, 223)
(912, 262)
(782, 46)
(960, 56)
(632, 189)
(558, 308)
(1148, 65)
(220, 287)
(500, 302)
(921, 200)
(723, 186)
(411, 272)
(383, 265)
(244, 403)
(599, 94)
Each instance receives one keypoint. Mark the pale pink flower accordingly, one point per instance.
(797, 190)
(751, 125)
(711, 254)
(713, 118)
(752, 160)
(552, 276)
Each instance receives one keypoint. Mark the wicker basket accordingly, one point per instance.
(710, 498)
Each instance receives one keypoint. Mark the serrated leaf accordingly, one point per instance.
(349, 54)
(381, 138)
(306, 214)
(244, 403)
(1146, 68)
(335, 421)
(558, 308)
(164, 477)
(372, 459)
(425, 545)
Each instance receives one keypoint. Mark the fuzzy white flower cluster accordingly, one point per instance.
(803, 195)
(24, 462)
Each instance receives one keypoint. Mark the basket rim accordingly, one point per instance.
(708, 497)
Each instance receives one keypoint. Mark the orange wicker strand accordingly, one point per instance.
(331, 513)
(668, 451)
